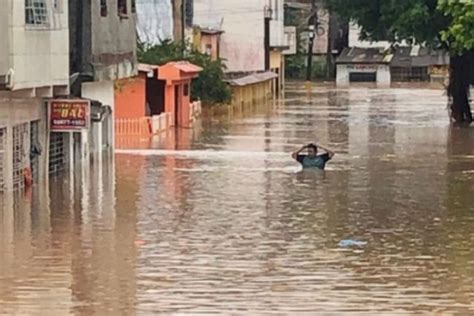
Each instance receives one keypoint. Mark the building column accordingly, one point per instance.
(8, 156)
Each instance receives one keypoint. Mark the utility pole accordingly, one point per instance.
(183, 28)
(268, 17)
(312, 26)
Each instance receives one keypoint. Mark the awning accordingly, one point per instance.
(357, 55)
(252, 79)
(179, 70)
(147, 68)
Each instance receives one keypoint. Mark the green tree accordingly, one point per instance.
(436, 23)
(209, 86)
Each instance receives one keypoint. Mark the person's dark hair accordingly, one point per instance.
(312, 146)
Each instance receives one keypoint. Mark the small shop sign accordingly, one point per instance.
(69, 115)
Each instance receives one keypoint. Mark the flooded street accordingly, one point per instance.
(224, 221)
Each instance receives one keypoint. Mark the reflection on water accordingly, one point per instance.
(229, 223)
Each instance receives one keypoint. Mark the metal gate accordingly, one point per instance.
(34, 156)
(56, 153)
(3, 141)
(20, 145)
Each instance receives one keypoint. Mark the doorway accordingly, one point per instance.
(363, 77)
(177, 100)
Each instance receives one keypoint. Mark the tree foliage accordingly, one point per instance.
(447, 23)
(460, 32)
(437, 23)
(209, 86)
(417, 21)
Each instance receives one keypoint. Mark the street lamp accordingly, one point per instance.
(268, 12)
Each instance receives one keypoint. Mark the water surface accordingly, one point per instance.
(220, 219)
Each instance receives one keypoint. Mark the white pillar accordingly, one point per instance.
(342, 76)
(383, 76)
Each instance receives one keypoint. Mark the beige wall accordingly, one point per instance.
(243, 24)
(113, 43)
(4, 39)
(211, 40)
(39, 55)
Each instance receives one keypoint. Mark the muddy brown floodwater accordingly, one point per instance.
(221, 220)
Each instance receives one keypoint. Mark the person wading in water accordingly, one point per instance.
(312, 159)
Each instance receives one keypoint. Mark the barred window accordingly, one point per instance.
(36, 12)
(122, 8)
(103, 8)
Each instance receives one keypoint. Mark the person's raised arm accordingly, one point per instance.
(295, 154)
(330, 152)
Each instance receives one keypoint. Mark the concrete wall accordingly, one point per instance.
(277, 27)
(4, 38)
(342, 76)
(243, 24)
(39, 55)
(104, 92)
(155, 20)
(113, 43)
(354, 39)
(213, 41)
(16, 111)
(382, 74)
(130, 97)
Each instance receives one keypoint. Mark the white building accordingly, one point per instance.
(242, 42)
(34, 64)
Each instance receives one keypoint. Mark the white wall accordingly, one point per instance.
(383, 75)
(154, 20)
(242, 43)
(4, 39)
(277, 27)
(104, 92)
(290, 40)
(342, 76)
(39, 55)
(384, 78)
(354, 41)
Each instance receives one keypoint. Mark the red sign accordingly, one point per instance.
(69, 115)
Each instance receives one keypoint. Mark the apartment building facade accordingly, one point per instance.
(34, 66)
(103, 51)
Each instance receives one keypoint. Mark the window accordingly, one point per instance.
(36, 12)
(57, 6)
(122, 10)
(189, 12)
(134, 6)
(186, 90)
(208, 49)
(103, 8)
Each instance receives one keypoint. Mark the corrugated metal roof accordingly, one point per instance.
(405, 57)
(210, 31)
(252, 79)
(146, 67)
(356, 55)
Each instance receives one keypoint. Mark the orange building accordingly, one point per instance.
(178, 77)
(156, 99)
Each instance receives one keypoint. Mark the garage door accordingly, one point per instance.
(363, 77)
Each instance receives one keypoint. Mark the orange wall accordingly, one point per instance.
(184, 102)
(130, 97)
